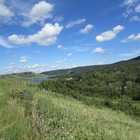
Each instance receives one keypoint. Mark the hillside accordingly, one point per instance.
(115, 86)
(26, 112)
(23, 75)
(134, 61)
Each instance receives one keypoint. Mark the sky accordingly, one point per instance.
(44, 35)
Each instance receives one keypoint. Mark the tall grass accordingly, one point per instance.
(28, 113)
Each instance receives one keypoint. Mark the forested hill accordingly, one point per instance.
(22, 75)
(116, 86)
(134, 61)
(136, 58)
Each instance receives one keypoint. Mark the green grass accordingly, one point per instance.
(28, 113)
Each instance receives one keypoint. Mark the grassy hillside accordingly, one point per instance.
(115, 86)
(23, 75)
(26, 113)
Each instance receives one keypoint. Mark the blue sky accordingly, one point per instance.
(46, 35)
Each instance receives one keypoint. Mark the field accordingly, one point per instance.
(27, 112)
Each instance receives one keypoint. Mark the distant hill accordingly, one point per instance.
(136, 58)
(134, 61)
(85, 68)
(68, 71)
(22, 75)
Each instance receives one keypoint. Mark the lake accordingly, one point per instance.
(36, 80)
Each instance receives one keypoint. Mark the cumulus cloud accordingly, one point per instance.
(98, 50)
(135, 18)
(6, 13)
(45, 37)
(59, 46)
(87, 29)
(15, 69)
(73, 23)
(24, 59)
(132, 37)
(39, 13)
(4, 43)
(109, 35)
(70, 54)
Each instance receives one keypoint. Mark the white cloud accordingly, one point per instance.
(24, 59)
(108, 35)
(4, 43)
(61, 61)
(45, 37)
(98, 50)
(58, 19)
(16, 69)
(87, 29)
(129, 2)
(137, 8)
(132, 37)
(39, 13)
(135, 18)
(70, 54)
(59, 46)
(73, 23)
(101, 63)
(5, 13)
(134, 53)
(126, 54)
(132, 9)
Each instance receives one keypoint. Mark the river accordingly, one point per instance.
(36, 80)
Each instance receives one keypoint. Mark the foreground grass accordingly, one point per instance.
(27, 113)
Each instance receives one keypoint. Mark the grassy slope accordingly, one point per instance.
(23, 75)
(41, 114)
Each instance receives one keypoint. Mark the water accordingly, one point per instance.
(36, 80)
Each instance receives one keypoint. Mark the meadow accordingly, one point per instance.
(30, 113)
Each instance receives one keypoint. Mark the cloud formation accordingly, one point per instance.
(98, 50)
(134, 53)
(39, 13)
(132, 9)
(135, 18)
(73, 23)
(4, 43)
(45, 37)
(109, 35)
(24, 59)
(132, 37)
(59, 46)
(87, 29)
(70, 54)
(15, 69)
(6, 13)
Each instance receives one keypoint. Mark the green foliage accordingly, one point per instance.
(114, 86)
(22, 76)
(30, 113)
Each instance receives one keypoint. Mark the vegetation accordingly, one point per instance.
(26, 112)
(24, 75)
(87, 68)
(97, 104)
(115, 86)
